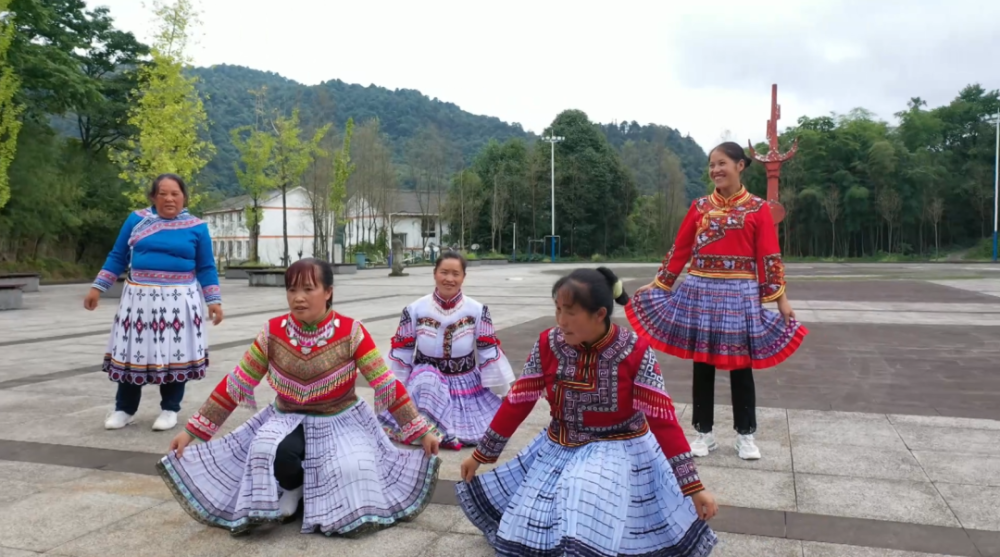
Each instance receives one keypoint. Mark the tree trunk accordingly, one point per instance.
(284, 225)
(833, 231)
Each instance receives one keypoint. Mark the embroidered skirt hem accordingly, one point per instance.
(355, 479)
(158, 335)
(715, 321)
(607, 498)
(458, 405)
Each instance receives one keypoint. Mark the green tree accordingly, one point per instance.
(167, 113)
(10, 111)
(292, 156)
(255, 172)
(110, 59)
(466, 196)
(342, 170)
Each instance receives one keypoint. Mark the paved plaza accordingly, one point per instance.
(881, 437)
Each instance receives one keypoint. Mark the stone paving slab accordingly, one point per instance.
(884, 474)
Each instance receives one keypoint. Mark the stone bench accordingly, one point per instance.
(269, 277)
(345, 269)
(11, 296)
(28, 281)
(233, 273)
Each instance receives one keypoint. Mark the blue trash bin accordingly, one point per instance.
(359, 258)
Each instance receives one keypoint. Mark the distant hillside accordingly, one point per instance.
(693, 157)
(402, 113)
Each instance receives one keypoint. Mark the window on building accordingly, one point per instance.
(229, 250)
(239, 250)
(428, 227)
(247, 246)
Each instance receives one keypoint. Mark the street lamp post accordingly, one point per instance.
(996, 188)
(552, 140)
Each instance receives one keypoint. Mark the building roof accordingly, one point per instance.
(239, 202)
(406, 202)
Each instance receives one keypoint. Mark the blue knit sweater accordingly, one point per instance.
(163, 251)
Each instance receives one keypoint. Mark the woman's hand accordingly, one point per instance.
(182, 440)
(785, 308)
(430, 443)
(704, 505)
(469, 467)
(91, 300)
(645, 287)
(215, 313)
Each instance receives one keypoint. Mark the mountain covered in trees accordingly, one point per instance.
(88, 113)
(401, 113)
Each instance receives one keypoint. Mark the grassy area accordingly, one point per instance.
(52, 269)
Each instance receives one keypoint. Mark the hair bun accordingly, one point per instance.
(616, 285)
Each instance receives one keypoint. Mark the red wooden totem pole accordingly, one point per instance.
(773, 160)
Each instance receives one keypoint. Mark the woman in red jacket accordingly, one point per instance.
(715, 317)
(613, 473)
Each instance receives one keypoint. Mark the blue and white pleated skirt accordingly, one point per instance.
(603, 499)
(355, 478)
(457, 404)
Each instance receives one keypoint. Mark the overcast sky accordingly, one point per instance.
(701, 67)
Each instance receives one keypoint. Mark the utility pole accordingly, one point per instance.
(552, 140)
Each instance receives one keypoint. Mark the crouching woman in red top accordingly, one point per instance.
(613, 473)
(715, 317)
(319, 443)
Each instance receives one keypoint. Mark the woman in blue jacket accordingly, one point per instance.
(158, 336)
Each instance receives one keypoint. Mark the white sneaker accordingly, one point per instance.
(746, 448)
(704, 444)
(166, 421)
(118, 420)
(288, 503)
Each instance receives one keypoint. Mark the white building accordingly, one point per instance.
(231, 238)
(414, 220)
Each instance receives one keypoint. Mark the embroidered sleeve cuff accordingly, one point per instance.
(663, 285)
(665, 279)
(212, 294)
(482, 459)
(686, 473)
(104, 280)
(490, 447)
(202, 428)
(692, 488)
(414, 430)
(771, 292)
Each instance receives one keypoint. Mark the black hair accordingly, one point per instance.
(306, 271)
(451, 254)
(155, 188)
(733, 152)
(592, 289)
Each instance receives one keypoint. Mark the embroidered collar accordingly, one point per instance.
(307, 337)
(603, 342)
(447, 304)
(735, 200)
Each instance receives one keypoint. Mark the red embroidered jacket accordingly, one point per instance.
(612, 390)
(313, 371)
(728, 238)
